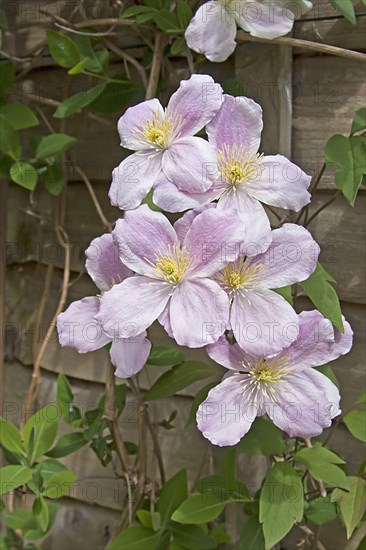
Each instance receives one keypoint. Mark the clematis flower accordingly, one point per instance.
(163, 141)
(212, 30)
(246, 178)
(297, 398)
(173, 267)
(263, 322)
(77, 327)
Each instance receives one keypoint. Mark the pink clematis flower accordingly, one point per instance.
(163, 141)
(263, 322)
(297, 398)
(77, 327)
(173, 268)
(245, 177)
(212, 30)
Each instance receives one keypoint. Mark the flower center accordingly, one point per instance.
(237, 166)
(262, 378)
(239, 274)
(159, 131)
(173, 265)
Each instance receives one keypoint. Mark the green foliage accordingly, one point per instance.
(173, 493)
(68, 444)
(63, 50)
(223, 489)
(117, 95)
(59, 484)
(24, 174)
(192, 537)
(77, 102)
(53, 179)
(18, 116)
(198, 509)
(351, 503)
(323, 295)
(262, 439)
(65, 399)
(320, 511)
(54, 144)
(135, 537)
(179, 377)
(359, 121)
(9, 140)
(10, 437)
(345, 7)
(251, 535)
(40, 431)
(323, 466)
(356, 423)
(165, 356)
(285, 292)
(198, 399)
(12, 477)
(281, 503)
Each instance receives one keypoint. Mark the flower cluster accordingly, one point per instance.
(210, 276)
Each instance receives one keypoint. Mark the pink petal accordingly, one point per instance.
(239, 121)
(103, 263)
(133, 179)
(168, 197)
(184, 223)
(196, 101)
(228, 355)
(134, 119)
(199, 310)
(129, 355)
(263, 20)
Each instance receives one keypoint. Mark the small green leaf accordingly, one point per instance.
(359, 121)
(167, 21)
(117, 95)
(77, 102)
(223, 489)
(53, 179)
(136, 10)
(68, 444)
(178, 45)
(144, 517)
(63, 50)
(281, 503)
(262, 439)
(136, 537)
(79, 68)
(320, 511)
(318, 455)
(65, 399)
(285, 292)
(12, 477)
(198, 509)
(59, 484)
(40, 510)
(184, 12)
(321, 463)
(345, 7)
(352, 504)
(171, 495)
(323, 296)
(44, 426)
(361, 399)
(9, 140)
(192, 537)
(22, 519)
(251, 535)
(356, 423)
(24, 174)
(47, 468)
(178, 378)
(18, 115)
(54, 144)
(10, 437)
(328, 372)
(198, 399)
(165, 356)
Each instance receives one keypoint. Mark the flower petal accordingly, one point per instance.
(140, 235)
(225, 417)
(184, 223)
(199, 310)
(171, 199)
(77, 327)
(330, 390)
(255, 222)
(212, 32)
(196, 102)
(190, 163)
(164, 320)
(263, 322)
(292, 257)
(239, 121)
(263, 20)
(227, 355)
(133, 179)
(131, 307)
(103, 263)
(134, 119)
(281, 183)
(129, 355)
(214, 240)
(317, 342)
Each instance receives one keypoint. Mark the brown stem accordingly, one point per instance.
(305, 44)
(125, 56)
(94, 198)
(156, 66)
(154, 436)
(317, 212)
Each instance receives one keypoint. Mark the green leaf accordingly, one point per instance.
(352, 504)
(24, 174)
(165, 356)
(345, 7)
(10, 437)
(44, 426)
(167, 21)
(54, 144)
(281, 503)
(135, 538)
(79, 67)
(359, 121)
(53, 179)
(234, 87)
(219, 533)
(198, 399)
(63, 50)
(285, 292)
(40, 510)
(3, 20)
(198, 509)
(47, 468)
(318, 454)
(22, 519)
(356, 423)
(18, 115)
(192, 537)
(171, 495)
(262, 439)
(12, 477)
(223, 489)
(9, 140)
(116, 96)
(77, 102)
(59, 484)
(184, 12)
(362, 399)
(320, 511)
(328, 372)
(84, 46)
(178, 378)
(68, 444)
(144, 517)
(251, 535)
(321, 463)
(178, 45)
(136, 10)
(323, 296)
(65, 399)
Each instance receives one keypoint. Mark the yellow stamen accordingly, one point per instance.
(263, 376)
(239, 274)
(237, 166)
(160, 130)
(173, 265)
